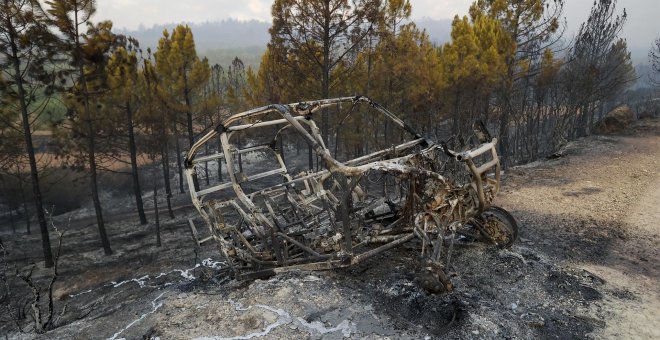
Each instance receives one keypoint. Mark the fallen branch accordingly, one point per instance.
(43, 323)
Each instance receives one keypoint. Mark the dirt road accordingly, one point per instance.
(604, 199)
(586, 265)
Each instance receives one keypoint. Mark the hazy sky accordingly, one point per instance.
(642, 27)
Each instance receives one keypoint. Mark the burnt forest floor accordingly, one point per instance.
(585, 265)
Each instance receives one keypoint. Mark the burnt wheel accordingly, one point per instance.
(498, 226)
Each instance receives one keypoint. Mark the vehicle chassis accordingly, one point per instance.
(334, 217)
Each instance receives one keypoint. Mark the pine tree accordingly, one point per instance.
(157, 120)
(474, 64)
(24, 53)
(654, 59)
(600, 65)
(162, 80)
(182, 71)
(532, 27)
(185, 76)
(122, 73)
(267, 84)
(401, 71)
(86, 53)
(311, 39)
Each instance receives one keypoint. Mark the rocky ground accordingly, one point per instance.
(586, 265)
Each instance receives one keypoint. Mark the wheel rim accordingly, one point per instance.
(500, 226)
(497, 230)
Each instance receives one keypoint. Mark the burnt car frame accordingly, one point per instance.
(347, 211)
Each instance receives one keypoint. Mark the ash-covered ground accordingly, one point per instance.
(586, 265)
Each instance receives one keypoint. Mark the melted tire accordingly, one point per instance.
(504, 223)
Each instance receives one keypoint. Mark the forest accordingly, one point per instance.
(87, 113)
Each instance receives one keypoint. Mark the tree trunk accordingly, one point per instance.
(156, 216)
(11, 220)
(94, 184)
(297, 146)
(239, 145)
(206, 163)
(336, 142)
(177, 147)
(91, 156)
(219, 159)
(189, 120)
(34, 174)
(165, 160)
(206, 166)
(134, 166)
(26, 215)
(504, 137)
(539, 133)
(325, 82)
(368, 94)
(282, 148)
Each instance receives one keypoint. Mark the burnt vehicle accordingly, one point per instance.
(266, 219)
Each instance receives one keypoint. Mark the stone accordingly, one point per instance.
(615, 120)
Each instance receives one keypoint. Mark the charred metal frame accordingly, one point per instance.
(328, 219)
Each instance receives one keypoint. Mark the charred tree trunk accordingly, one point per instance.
(166, 176)
(91, 145)
(11, 220)
(26, 215)
(156, 215)
(137, 191)
(189, 118)
(34, 174)
(27, 218)
(91, 158)
(504, 137)
(206, 164)
(239, 145)
(336, 142)
(177, 147)
(189, 121)
(325, 81)
(219, 160)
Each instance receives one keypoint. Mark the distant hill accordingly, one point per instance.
(229, 33)
(219, 41)
(250, 55)
(222, 41)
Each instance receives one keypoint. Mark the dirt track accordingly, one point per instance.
(586, 265)
(604, 200)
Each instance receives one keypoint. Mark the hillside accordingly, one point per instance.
(584, 266)
(222, 41)
(219, 41)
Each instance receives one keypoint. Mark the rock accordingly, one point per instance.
(311, 278)
(647, 115)
(615, 120)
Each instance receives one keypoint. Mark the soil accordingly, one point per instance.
(585, 266)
